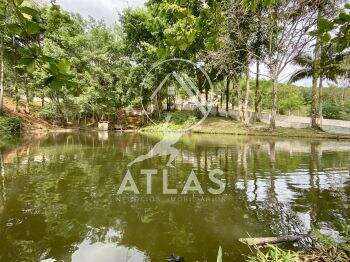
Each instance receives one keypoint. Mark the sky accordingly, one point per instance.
(109, 10)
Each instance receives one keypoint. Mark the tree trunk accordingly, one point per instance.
(257, 92)
(1, 77)
(240, 104)
(258, 57)
(16, 95)
(221, 98)
(27, 97)
(227, 93)
(320, 98)
(246, 98)
(2, 174)
(315, 76)
(274, 104)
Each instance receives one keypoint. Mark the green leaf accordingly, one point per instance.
(47, 59)
(219, 258)
(29, 11)
(2, 9)
(347, 6)
(32, 28)
(48, 80)
(325, 25)
(18, 2)
(343, 18)
(63, 66)
(31, 67)
(26, 61)
(326, 38)
(52, 68)
(14, 28)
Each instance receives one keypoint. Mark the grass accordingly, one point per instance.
(274, 254)
(220, 125)
(180, 120)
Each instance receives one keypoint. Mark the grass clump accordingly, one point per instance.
(325, 249)
(274, 254)
(178, 120)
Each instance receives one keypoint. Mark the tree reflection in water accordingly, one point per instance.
(59, 200)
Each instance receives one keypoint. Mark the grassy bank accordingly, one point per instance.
(221, 125)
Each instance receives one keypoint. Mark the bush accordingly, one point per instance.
(346, 112)
(48, 112)
(331, 110)
(10, 125)
(290, 98)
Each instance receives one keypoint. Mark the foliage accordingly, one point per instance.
(10, 125)
(274, 254)
(48, 112)
(291, 97)
(83, 69)
(332, 110)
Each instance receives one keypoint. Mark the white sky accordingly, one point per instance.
(109, 10)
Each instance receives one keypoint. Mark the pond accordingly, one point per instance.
(60, 197)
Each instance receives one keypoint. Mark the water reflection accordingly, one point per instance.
(107, 251)
(59, 197)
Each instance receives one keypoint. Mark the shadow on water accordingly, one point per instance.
(59, 201)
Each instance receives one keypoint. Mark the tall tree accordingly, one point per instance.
(288, 25)
(332, 66)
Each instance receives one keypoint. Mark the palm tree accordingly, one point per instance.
(331, 66)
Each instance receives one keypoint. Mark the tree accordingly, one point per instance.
(288, 26)
(331, 66)
(233, 58)
(170, 29)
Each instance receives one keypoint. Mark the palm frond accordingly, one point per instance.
(303, 60)
(300, 74)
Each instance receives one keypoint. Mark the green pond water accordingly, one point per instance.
(59, 196)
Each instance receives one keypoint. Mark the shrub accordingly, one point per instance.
(331, 110)
(48, 112)
(10, 125)
(346, 112)
(290, 98)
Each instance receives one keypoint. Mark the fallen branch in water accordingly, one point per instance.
(261, 241)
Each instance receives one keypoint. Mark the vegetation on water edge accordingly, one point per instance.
(72, 68)
(182, 120)
(10, 128)
(326, 249)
